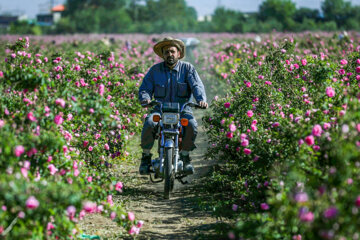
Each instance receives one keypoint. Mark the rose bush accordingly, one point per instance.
(280, 135)
(65, 120)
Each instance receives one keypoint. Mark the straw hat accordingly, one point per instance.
(169, 41)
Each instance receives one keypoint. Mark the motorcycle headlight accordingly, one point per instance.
(170, 118)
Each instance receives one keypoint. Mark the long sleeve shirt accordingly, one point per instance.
(179, 84)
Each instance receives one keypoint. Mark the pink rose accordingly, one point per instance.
(90, 148)
(31, 117)
(343, 62)
(71, 211)
(58, 120)
(331, 212)
(330, 92)
(106, 146)
(227, 105)
(326, 126)
(358, 127)
(247, 151)
(245, 143)
(89, 207)
(357, 69)
(229, 135)
(303, 62)
(60, 102)
(119, 186)
(112, 215)
(131, 216)
(310, 140)
(317, 130)
(32, 203)
(306, 216)
(357, 201)
(140, 224)
(134, 230)
(49, 226)
(264, 206)
(101, 89)
(52, 169)
(232, 127)
(249, 113)
(19, 150)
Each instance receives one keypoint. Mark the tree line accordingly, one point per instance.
(157, 16)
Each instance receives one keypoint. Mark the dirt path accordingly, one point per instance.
(176, 218)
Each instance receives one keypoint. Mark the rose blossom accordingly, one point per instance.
(119, 186)
(317, 130)
(305, 215)
(58, 120)
(357, 201)
(331, 212)
(112, 215)
(52, 169)
(140, 224)
(232, 127)
(131, 216)
(249, 113)
(330, 92)
(60, 102)
(247, 151)
(89, 207)
(310, 140)
(264, 206)
(301, 197)
(19, 150)
(32, 203)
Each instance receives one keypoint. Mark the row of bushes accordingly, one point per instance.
(66, 116)
(288, 134)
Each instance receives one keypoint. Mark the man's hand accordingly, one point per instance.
(203, 104)
(146, 102)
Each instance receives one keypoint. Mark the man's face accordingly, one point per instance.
(171, 55)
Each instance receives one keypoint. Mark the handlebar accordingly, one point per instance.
(155, 103)
(151, 104)
(194, 105)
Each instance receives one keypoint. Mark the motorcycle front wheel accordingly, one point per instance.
(169, 176)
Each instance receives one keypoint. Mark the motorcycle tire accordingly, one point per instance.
(169, 176)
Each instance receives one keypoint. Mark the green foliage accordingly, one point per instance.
(158, 16)
(287, 187)
(63, 163)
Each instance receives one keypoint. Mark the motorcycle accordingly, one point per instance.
(167, 166)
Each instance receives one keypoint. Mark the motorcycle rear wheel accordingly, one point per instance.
(169, 176)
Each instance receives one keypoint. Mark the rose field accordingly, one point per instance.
(283, 128)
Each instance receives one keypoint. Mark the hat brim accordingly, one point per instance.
(173, 42)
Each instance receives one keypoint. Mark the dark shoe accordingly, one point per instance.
(188, 168)
(145, 164)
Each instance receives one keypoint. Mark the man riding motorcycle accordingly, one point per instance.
(171, 81)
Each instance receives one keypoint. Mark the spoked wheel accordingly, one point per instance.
(169, 176)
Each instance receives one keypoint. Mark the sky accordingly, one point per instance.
(203, 7)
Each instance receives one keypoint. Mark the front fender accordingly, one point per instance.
(169, 143)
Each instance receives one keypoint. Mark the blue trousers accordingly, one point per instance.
(188, 135)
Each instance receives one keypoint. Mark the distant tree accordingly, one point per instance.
(226, 20)
(336, 10)
(306, 13)
(280, 10)
(166, 15)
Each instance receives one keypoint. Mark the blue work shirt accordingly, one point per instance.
(172, 85)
